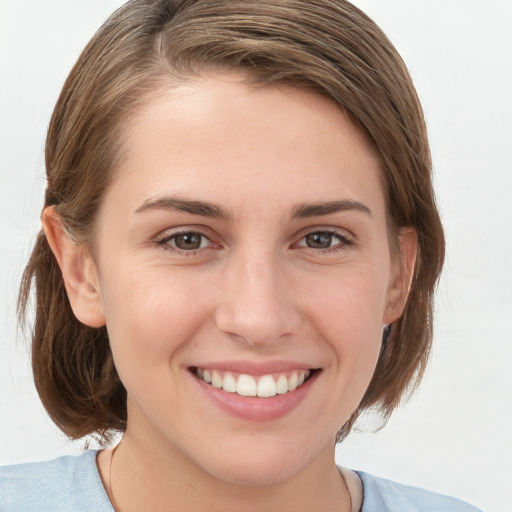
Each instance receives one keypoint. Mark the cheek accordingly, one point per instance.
(349, 302)
(348, 312)
(149, 319)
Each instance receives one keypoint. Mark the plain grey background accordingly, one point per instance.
(453, 436)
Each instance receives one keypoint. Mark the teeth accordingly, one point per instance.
(247, 385)
(216, 379)
(229, 383)
(293, 382)
(266, 386)
(282, 385)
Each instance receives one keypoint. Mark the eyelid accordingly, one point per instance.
(187, 228)
(322, 228)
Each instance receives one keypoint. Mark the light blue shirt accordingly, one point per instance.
(73, 484)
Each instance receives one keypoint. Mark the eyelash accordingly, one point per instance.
(344, 242)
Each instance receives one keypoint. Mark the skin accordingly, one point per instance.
(254, 291)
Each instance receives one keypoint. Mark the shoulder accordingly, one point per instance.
(382, 495)
(61, 485)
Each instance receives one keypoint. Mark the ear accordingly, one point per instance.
(403, 273)
(78, 271)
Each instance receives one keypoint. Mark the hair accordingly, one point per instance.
(326, 46)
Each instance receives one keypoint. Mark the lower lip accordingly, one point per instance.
(256, 408)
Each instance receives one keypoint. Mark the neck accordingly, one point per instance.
(142, 476)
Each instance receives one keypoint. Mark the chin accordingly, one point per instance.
(249, 474)
(261, 464)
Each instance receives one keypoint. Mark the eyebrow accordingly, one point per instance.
(203, 208)
(207, 209)
(306, 210)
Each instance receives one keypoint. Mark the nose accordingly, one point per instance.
(256, 301)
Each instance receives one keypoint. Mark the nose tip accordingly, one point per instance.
(255, 324)
(256, 305)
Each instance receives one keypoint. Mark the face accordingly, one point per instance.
(242, 250)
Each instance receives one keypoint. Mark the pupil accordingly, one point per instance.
(319, 240)
(188, 241)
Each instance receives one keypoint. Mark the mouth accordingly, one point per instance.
(262, 386)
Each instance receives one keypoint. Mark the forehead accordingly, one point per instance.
(222, 130)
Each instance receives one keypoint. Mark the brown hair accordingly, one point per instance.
(327, 46)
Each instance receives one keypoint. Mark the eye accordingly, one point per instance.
(324, 240)
(187, 241)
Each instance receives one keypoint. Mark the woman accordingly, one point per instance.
(239, 253)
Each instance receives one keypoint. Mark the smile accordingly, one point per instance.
(263, 386)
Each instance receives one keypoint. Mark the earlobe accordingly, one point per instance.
(78, 271)
(400, 286)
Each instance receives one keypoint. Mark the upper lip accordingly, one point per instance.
(254, 368)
